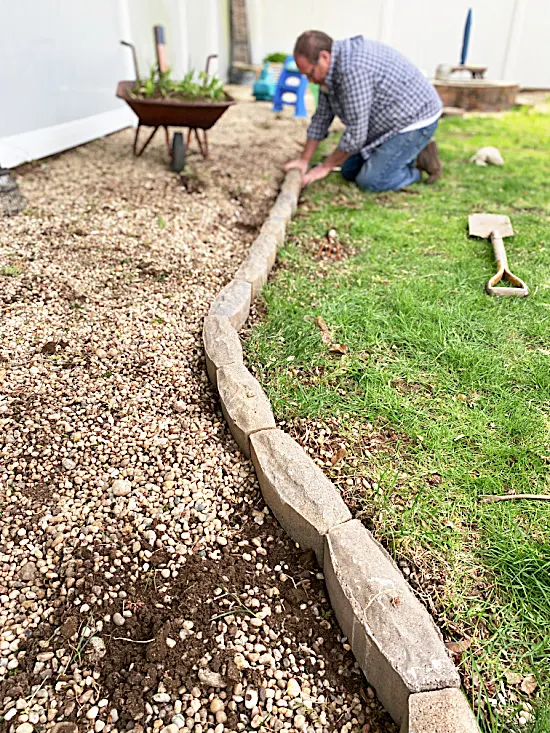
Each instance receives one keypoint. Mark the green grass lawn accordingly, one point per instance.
(443, 396)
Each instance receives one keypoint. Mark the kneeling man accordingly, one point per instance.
(390, 112)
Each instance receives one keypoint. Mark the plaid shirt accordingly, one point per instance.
(376, 93)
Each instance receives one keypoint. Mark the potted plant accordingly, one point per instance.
(276, 61)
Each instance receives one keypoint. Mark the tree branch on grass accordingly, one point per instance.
(507, 497)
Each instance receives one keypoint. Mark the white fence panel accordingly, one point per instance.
(510, 37)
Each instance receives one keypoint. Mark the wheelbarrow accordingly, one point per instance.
(155, 113)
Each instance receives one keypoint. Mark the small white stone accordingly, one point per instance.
(121, 487)
(24, 728)
(250, 698)
(68, 464)
(161, 697)
(195, 704)
(212, 679)
(216, 705)
(118, 619)
(293, 688)
(257, 721)
(92, 712)
(171, 643)
(44, 656)
(240, 662)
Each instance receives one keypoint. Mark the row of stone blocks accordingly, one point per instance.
(392, 636)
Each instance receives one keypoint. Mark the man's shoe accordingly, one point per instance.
(428, 160)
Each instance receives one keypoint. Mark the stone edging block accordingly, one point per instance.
(256, 267)
(274, 226)
(233, 301)
(284, 206)
(298, 493)
(393, 637)
(442, 711)
(265, 245)
(222, 345)
(244, 404)
(293, 185)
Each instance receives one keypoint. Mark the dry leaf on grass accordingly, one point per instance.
(320, 322)
(326, 337)
(457, 647)
(513, 678)
(340, 453)
(529, 684)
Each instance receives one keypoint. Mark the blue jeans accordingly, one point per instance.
(391, 165)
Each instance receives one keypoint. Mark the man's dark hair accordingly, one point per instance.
(311, 43)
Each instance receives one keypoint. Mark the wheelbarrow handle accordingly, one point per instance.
(520, 289)
(134, 55)
(208, 60)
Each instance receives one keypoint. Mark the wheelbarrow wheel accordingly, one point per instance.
(178, 152)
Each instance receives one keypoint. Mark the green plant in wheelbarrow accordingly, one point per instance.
(192, 88)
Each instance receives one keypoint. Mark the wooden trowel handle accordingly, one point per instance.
(503, 272)
(498, 249)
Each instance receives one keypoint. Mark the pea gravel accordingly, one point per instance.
(144, 586)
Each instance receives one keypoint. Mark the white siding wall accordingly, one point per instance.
(511, 37)
(194, 30)
(60, 62)
(58, 65)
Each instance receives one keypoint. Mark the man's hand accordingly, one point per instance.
(315, 174)
(299, 164)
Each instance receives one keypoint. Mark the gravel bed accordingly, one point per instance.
(144, 586)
